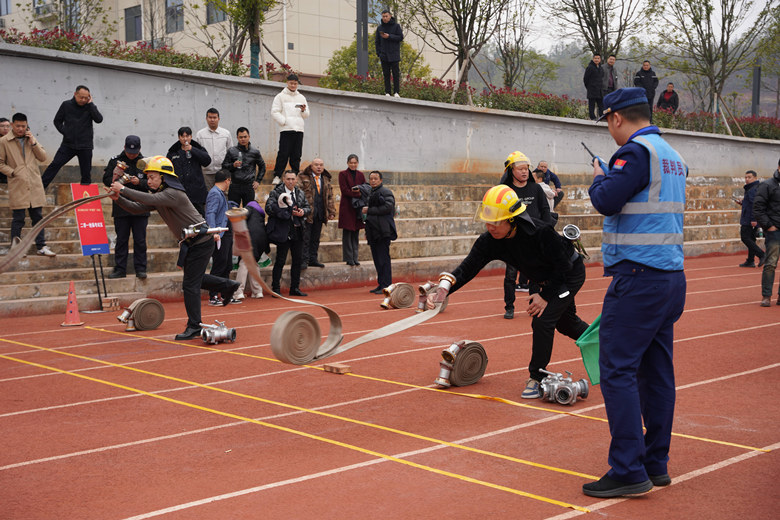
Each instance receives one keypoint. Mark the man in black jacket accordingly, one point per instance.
(74, 121)
(594, 84)
(189, 158)
(287, 208)
(124, 221)
(747, 222)
(549, 260)
(645, 78)
(246, 167)
(669, 100)
(388, 47)
(766, 210)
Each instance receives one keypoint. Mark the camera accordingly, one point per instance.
(218, 333)
(556, 388)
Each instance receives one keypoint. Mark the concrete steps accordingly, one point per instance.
(435, 227)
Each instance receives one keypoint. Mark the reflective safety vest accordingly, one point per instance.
(649, 228)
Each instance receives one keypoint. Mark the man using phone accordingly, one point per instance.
(388, 47)
(20, 159)
(289, 110)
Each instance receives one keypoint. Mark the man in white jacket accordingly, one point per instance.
(289, 109)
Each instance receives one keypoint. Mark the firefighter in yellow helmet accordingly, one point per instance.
(168, 197)
(549, 260)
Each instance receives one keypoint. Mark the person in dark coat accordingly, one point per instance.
(388, 47)
(380, 229)
(315, 183)
(645, 78)
(74, 121)
(247, 166)
(287, 209)
(255, 223)
(748, 223)
(594, 84)
(124, 221)
(669, 100)
(189, 158)
(766, 211)
(349, 220)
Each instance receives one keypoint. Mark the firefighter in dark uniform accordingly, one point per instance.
(550, 262)
(642, 197)
(167, 196)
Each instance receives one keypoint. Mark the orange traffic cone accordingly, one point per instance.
(72, 312)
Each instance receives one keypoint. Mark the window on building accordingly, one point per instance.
(5, 7)
(214, 14)
(174, 16)
(133, 24)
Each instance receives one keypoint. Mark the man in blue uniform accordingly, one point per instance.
(642, 197)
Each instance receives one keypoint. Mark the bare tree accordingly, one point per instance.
(461, 27)
(85, 17)
(706, 41)
(153, 20)
(603, 24)
(768, 50)
(215, 29)
(511, 39)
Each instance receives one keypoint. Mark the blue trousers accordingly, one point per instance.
(637, 371)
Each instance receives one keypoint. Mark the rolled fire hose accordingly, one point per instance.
(399, 296)
(469, 365)
(295, 335)
(148, 313)
(17, 251)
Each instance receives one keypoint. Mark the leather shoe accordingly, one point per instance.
(766, 302)
(297, 292)
(141, 275)
(316, 264)
(189, 333)
(227, 296)
(304, 266)
(747, 264)
(377, 290)
(608, 488)
(509, 314)
(117, 274)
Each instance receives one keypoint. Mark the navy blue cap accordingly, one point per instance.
(132, 144)
(623, 98)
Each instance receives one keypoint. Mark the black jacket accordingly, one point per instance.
(532, 195)
(190, 170)
(536, 250)
(282, 224)
(74, 122)
(766, 206)
(380, 220)
(389, 49)
(647, 80)
(673, 103)
(746, 215)
(252, 164)
(255, 223)
(132, 170)
(593, 80)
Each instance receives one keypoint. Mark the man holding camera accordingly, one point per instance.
(643, 198)
(168, 197)
(287, 208)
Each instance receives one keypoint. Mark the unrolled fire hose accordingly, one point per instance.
(295, 335)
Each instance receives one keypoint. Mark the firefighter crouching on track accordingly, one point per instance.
(549, 260)
(167, 196)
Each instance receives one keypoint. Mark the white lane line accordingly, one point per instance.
(675, 480)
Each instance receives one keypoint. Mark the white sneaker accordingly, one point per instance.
(396, 95)
(238, 296)
(276, 180)
(387, 95)
(45, 251)
(257, 296)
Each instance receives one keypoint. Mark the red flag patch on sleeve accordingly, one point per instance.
(619, 163)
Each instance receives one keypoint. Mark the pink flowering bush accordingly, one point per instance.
(761, 127)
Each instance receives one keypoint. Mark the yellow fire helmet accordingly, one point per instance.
(499, 203)
(516, 157)
(161, 164)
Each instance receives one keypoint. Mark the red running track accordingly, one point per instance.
(102, 424)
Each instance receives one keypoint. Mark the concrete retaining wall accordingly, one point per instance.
(388, 134)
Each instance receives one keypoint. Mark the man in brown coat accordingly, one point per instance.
(314, 181)
(20, 158)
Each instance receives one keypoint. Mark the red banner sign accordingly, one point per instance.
(89, 217)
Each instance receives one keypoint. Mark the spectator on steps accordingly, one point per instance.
(380, 229)
(20, 159)
(748, 226)
(189, 158)
(216, 140)
(74, 121)
(124, 221)
(349, 219)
